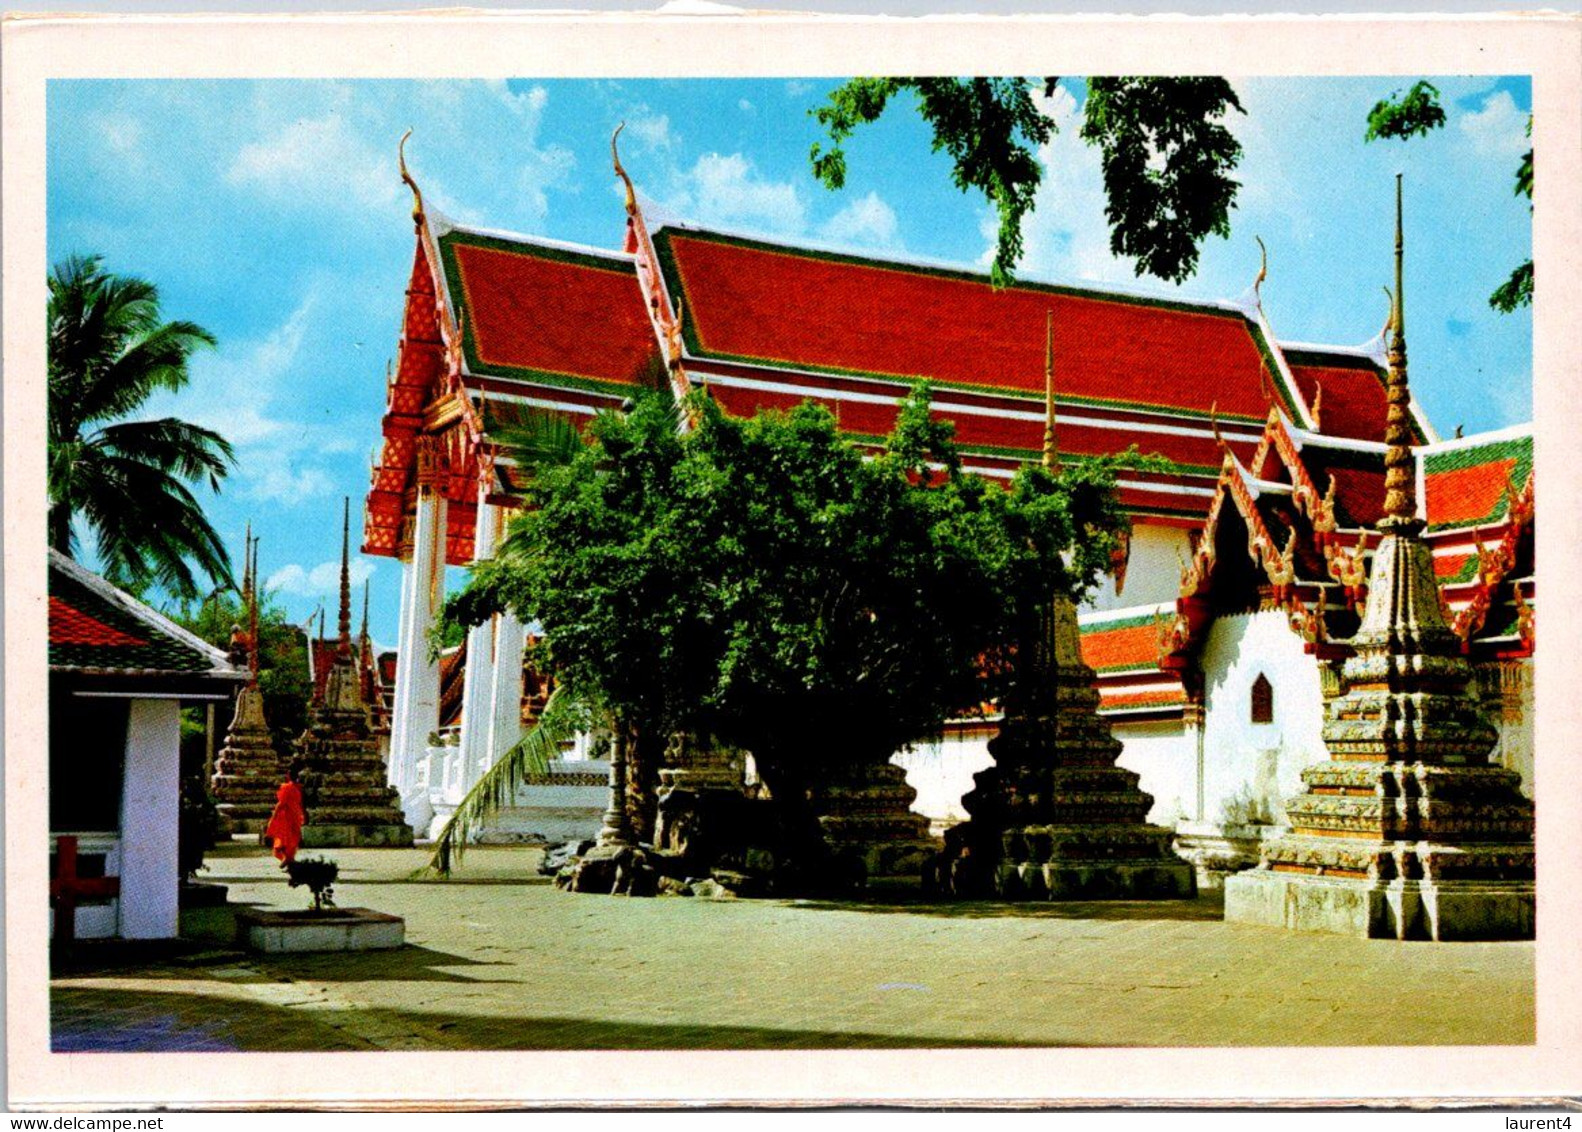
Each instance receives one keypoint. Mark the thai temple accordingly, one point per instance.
(1224, 624)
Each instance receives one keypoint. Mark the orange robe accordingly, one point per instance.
(285, 826)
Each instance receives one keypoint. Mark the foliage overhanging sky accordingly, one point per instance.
(272, 214)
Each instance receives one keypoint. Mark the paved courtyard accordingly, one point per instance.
(497, 958)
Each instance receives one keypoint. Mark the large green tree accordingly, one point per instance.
(765, 583)
(110, 349)
(1167, 154)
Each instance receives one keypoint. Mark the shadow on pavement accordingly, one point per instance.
(1207, 907)
(407, 964)
(89, 1019)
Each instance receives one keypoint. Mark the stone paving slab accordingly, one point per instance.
(499, 959)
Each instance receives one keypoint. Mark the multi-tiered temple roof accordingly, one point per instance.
(1268, 439)
(498, 318)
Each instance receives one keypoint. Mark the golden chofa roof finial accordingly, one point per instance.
(1263, 271)
(1051, 451)
(417, 193)
(1213, 419)
(1400, 486)
(620, 171)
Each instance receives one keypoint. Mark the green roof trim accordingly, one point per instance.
(1517, 448)
(458, 299)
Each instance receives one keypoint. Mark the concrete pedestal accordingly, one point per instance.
(338, 929)
(1398, 909)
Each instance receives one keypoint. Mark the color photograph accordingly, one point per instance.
(787, 563)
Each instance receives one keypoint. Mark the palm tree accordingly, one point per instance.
(109, 351)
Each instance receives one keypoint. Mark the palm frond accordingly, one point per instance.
(534, 437)
(493, 792)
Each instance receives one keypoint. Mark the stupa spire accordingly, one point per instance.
(1051, 452)
(1400, 488)
(344, 623)
(252, 609)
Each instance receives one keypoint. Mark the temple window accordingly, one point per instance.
(1262, 700)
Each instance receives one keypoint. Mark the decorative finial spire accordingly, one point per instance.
(252, 612)
(615, 159)
(1213, 419)
(247, 564)
(363, 635)
(1400, 502)
(1051, 454)
(417, 194)
(1263, 271)
(344, 625)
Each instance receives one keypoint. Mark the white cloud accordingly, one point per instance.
(1066, 234)
(323, 580)
(238, 392)
(727, 189)
(652, 130)
(320, 156)
(867, 221)
(1499, 129)
(272, 476)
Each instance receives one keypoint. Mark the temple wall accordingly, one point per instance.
(1165, 758)
(1258, 765)
(941, 772)
(1153, 572)
(1159, 751)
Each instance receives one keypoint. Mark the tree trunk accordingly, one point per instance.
(644, 756)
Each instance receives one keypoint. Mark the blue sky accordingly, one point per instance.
(272, 214)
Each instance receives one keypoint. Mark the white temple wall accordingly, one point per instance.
(941, 772)
(1256, 766)
(1153, 572)
(1165, 759)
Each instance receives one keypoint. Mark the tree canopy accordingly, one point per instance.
(1417, 112)
(109, 351)
(766, 583)
(1167, 155)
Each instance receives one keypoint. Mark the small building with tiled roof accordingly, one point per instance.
(1275, 453)
(118, 676)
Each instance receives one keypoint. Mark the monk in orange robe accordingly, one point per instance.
(284, 830)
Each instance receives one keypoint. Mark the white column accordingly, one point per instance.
(506, 695)
(150, 820)
(399, 768)
(417, 710)
(477, 692)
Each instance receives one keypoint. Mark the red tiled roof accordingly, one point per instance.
(755, 302)
(1353, 403)
(535, 310)
(1468, 484)
(1119, 699)
(1129, 644)
(71, 626)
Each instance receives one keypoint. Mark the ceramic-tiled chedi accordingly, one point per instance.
(1054, 817)
(1407, 831)
(247, 769)
(349, 801)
